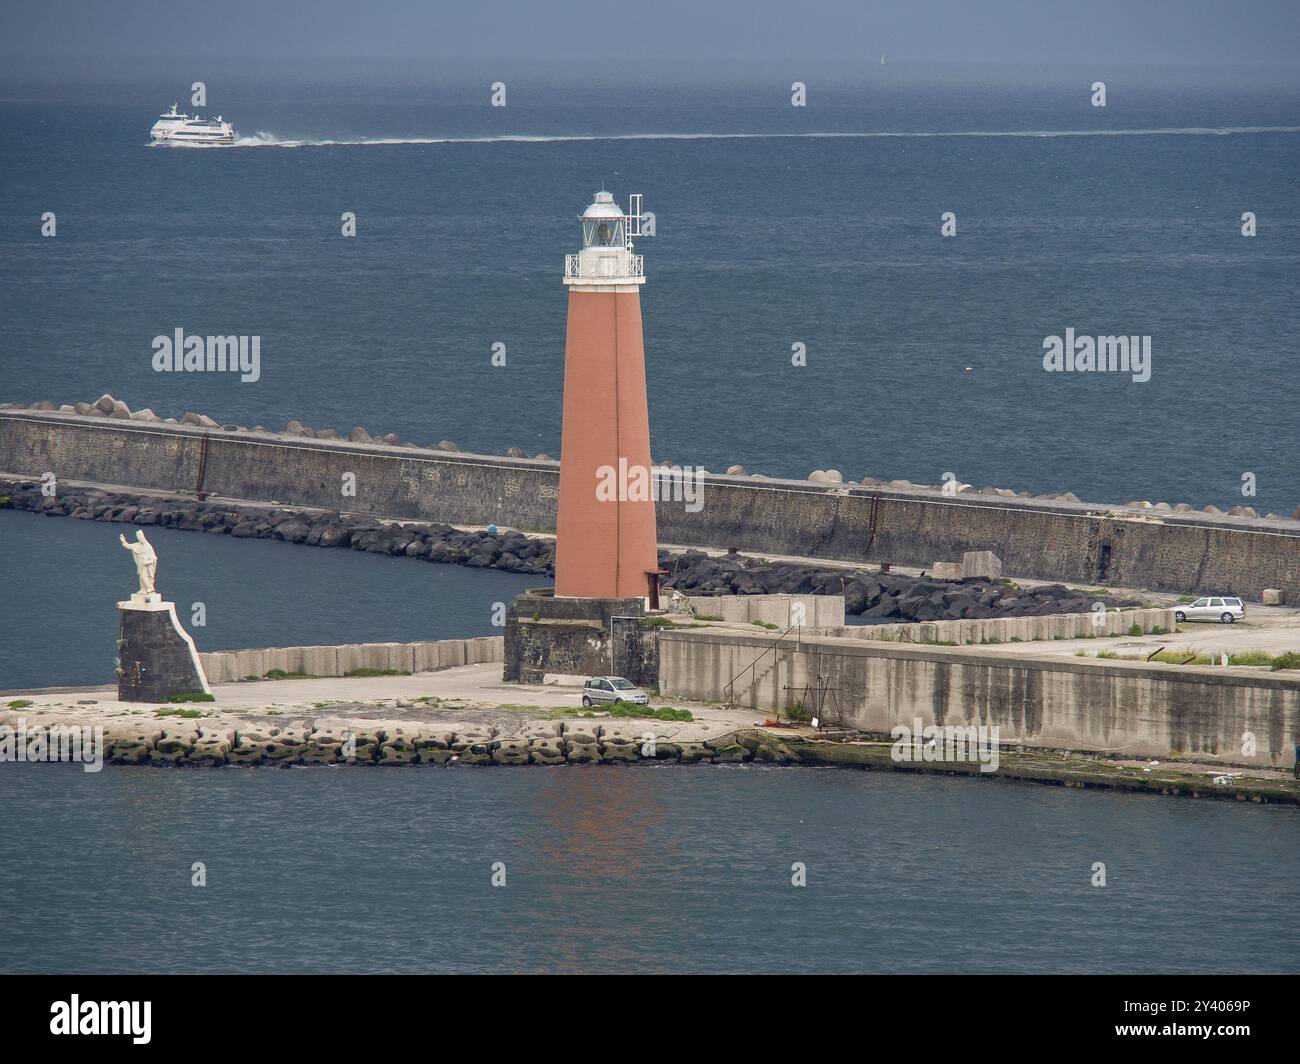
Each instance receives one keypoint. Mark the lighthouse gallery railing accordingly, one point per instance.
(605, 268)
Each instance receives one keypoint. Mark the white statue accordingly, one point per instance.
(146, 561)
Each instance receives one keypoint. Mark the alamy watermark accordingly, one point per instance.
(79, 1017)
(1099, 354)
(179, 353)
(637, 483)
(58, 742)
(928, 743)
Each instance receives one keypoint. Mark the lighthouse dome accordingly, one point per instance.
(603, 206)
(602, 223)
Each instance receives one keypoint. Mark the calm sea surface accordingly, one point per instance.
(765, 238)
(645, 869)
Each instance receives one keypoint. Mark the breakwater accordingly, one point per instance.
(366, 742)
(1060, 539)
(712, 580)
(389, 743)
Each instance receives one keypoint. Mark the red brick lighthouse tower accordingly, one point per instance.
(606, 546)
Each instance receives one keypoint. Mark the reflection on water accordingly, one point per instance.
(596, 822)
(636, 869)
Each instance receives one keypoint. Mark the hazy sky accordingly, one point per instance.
(1244, 32)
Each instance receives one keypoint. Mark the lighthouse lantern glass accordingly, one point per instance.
(602, 233)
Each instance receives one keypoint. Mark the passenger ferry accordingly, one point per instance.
(175, 128)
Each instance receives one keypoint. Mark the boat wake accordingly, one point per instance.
(270, 140)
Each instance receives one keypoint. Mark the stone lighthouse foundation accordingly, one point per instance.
(550, 636)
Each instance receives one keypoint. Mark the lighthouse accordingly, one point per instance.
(605, 532)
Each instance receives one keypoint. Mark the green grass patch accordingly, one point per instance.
(707, 617)
(190, 696)
(363, 673)
(187, 713)
(21, 703)
(764, 624)
(280, 674)
(625, 710)
(1192, 656)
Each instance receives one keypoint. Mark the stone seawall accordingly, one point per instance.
(1052, 540)
(1130, 709)
(228, 666)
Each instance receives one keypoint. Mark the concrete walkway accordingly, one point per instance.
(465, 695)
(1273, 629)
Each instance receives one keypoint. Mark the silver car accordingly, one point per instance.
(605, 690)
(1219, 608)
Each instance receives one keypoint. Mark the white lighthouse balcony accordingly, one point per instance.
(603, 265)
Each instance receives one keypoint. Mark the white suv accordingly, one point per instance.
(1220, 608)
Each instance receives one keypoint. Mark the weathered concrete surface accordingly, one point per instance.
(1049, 626)
(1135, 709)
(1180, 778)
(546, 634)
(226, 666)
(1061, 540)
(818, 611)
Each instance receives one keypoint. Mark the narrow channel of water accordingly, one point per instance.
(63, 578)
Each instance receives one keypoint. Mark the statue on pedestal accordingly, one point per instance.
(146, 563)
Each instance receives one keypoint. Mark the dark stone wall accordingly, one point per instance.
(1187, 553)
(579, 636)
(154, 662)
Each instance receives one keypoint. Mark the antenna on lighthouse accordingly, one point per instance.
(633, 217)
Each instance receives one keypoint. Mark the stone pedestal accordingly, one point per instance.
(156, 656)
(567, 636)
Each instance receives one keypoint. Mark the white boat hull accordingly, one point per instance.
(182, 131)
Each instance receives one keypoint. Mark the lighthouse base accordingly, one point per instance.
(550, 636)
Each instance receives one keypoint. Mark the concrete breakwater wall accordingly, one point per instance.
(738, 585)
(782, 611)
(1053, 540)
(228, 666)
(1235, 717)
(1014, 629)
